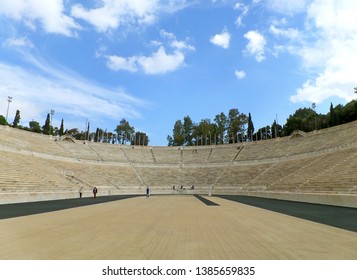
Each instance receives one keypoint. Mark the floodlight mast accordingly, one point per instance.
(314, 108)
(355, 90)
(9, 100)
(52, 113)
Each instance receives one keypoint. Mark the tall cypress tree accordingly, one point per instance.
(61, 130)
(332, 116)
(250, 129)
(46, 129)
(96, 136)
(16, 119)
(87, 133)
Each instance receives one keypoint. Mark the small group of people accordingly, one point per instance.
(183, 188)
(95, 191)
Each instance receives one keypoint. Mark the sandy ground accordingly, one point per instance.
(171, 228)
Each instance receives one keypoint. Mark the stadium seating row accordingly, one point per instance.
(318, 162)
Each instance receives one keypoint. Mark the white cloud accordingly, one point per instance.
(182, 45)
(18, 42)
(222, 39)
(289, 39)
(49, 13)
(37, 90)
(290, 33)
(244, 11)
(174, 43)
(240, 74)
(117, 63)
(112, 14)
(172, 6)
(256, 45)
(100, 51)
(105, 16)
(167, 35)
(155, 43)
(334, 18)
(332, 57)
(287, 7)
(159, 62)
(239, 21)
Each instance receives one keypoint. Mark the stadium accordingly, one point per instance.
(286, 198)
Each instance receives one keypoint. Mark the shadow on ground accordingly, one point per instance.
(205, 201)
(30, 208)
(341, 217)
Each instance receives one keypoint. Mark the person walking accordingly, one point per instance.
(95, 190)
(147, 191)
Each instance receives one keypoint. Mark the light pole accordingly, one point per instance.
(313, 108)
(355, 88)
(9, 99)
(52, 113)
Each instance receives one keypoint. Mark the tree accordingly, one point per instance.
(349, 112)
(140, 139)
(109, 137)
(3, 120)
(263, 133)
(332, 116)
(46, 129)
(81, 135)
(35, 127)
(276, 130)
(177, 138)
(61, 130)
(103, 136)
(236, 123)
(97, 135)
(250, 129)
(221, 122)
(170, 141)
(124, 131)
(106, 136)
(73, 132)
(205, 132)
(303, 119)
(338, 111)
(188, 128)
(86, 134)
(16, 119)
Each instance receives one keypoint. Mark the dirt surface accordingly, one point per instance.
(171, 228)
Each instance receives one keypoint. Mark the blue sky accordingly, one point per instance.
(153, 62)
